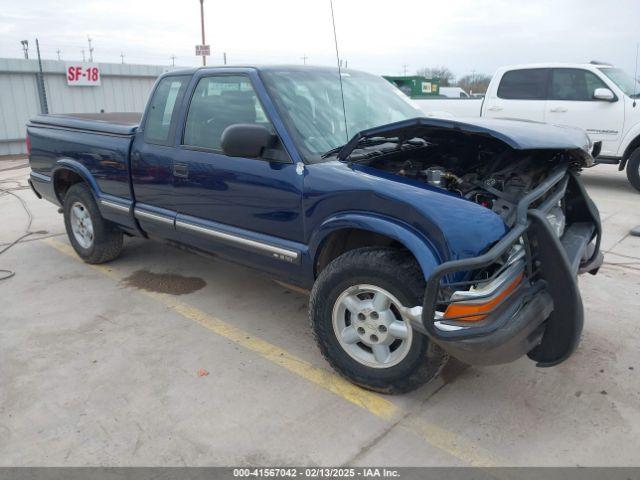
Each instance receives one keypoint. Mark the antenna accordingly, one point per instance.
(635, 76)
(335, 40)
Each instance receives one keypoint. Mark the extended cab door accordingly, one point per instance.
(245, 208)
(571, 103)
(152, 157)
(520, 94)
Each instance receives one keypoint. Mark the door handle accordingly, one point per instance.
(180, 170)
(495, 108)
(558, 110)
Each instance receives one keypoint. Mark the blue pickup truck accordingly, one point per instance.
(419, 238)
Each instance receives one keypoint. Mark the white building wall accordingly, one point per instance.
(124, 88)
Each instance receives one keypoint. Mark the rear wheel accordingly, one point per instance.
(94, 239)
(355, 312)
(633, 169)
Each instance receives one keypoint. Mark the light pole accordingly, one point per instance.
(90, 49)
(204, 58)
(25, 48)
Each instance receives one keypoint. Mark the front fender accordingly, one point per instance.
(403, 233)
(80, 169)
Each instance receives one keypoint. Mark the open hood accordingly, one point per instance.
(517, 134)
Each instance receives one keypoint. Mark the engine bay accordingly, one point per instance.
(485, 172)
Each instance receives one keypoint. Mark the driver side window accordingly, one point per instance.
(217, 103)
(574, 84)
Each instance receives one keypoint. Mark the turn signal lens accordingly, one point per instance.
(474, 312)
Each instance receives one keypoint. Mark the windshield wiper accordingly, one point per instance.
(366, 142)
(333, 151)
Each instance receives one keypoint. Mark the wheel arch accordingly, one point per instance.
(349, 231)
(629, 144)
(68, 172)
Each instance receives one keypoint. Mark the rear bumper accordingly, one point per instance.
(42, 186)
(544, 317)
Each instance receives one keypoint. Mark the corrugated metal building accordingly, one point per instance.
(123, 88)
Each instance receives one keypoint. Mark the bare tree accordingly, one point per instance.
(474, 83)
(442, 73)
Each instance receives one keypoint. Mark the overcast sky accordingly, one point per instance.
(377, 36)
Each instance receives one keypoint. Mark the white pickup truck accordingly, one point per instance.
(598, 98)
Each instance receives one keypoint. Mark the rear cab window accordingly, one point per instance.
(524, 84)
(161, 118)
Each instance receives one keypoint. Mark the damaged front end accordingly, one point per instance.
(521, 296)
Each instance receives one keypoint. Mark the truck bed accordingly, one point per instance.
(97, 145)
(113, 123)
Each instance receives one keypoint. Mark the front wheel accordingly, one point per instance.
(355, 312)
(633, 169)
(94, 239)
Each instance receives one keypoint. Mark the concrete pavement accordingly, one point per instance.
(164, 358)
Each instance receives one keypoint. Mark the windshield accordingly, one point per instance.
(311, 104)
(622, 80)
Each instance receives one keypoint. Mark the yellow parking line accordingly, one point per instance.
(375, 404)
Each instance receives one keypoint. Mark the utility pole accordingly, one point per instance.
(204, 57)
(40, 77)
(58, 52)
(404, 69)
(304, 59)
(173, 60)
(224, 58)
(90, 49)
(122, 57)
(25, 48)
(346, 64)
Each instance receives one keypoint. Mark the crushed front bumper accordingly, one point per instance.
(543, 317)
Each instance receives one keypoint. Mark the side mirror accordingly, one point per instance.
(604, 94)
(245, 140)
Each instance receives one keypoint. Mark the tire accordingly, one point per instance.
(365, 273)
(95, 239)
(633, 169)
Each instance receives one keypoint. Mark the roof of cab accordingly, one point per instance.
(257, 67)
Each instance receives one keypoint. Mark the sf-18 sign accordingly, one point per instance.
(79, 75)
